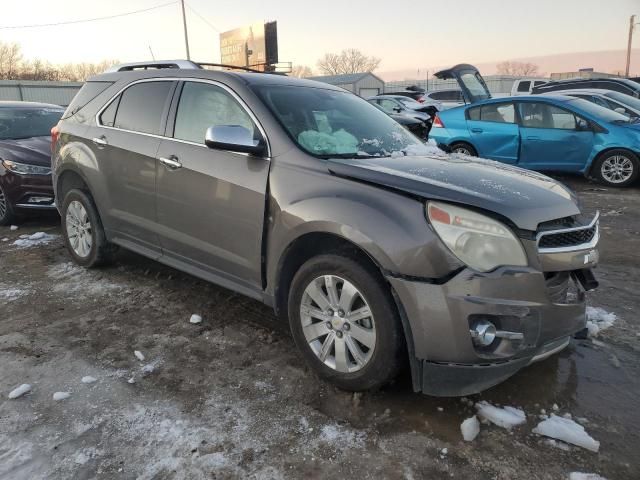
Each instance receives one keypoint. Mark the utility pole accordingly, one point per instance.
(632, 21)
(186, 35)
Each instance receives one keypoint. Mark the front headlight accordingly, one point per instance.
(24, 168)
(478, 241)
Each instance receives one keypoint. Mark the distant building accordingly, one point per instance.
(363, 84)
(57, 93)
(497, 84)
(582, 73)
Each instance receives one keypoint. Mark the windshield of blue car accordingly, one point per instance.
(330, 123)
(19, 123)
(599, 112)
(627, 100)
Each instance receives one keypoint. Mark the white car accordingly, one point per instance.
(616, 101)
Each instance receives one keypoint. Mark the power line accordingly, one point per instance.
(88, 19)
(202, 18)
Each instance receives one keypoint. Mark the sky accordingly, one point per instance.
(407, 35)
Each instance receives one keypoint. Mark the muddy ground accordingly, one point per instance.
(232, 398)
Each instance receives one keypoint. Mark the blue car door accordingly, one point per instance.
(494, 131)
(553, 138)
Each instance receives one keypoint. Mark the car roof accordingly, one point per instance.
(590, 91)
(547, 96)
(17, 104)
(625, 81)
(249, 78)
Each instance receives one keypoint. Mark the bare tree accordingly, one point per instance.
(349, 60)
(301, 71)
(517, 68)
(10, 58)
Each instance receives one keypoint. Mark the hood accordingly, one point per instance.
(524, 197)
(34, 150)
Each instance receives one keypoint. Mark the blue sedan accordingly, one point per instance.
(554, 133)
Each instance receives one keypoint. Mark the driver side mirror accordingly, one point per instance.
(234, 138)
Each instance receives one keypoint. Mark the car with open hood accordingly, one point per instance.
(377, 249)
(540, 132)
(25, 158)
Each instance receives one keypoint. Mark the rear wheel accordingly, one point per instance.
(463, 148)
(617, 168)
(82, 230)
(7, 215)
(344, 321)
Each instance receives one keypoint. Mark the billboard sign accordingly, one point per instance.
(255, 45)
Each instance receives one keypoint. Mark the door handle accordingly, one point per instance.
(476, 130)
(171, 163)
(100, 141)
(534, 139)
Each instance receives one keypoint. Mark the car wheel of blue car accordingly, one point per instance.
(464, 149)
(617, 168)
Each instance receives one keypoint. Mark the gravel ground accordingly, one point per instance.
(231, 397)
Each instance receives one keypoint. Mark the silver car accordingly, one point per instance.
(378, 250)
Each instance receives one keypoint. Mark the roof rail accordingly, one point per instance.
(178, 64)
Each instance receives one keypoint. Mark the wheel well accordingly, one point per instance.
(604, 152)
(68, 181)
(462, 142)
(306, 247)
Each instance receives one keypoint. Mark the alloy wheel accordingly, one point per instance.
(617, 169)
(462, 151)
(338, 324)
(79, 229)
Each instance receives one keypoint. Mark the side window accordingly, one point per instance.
(474, 113)
(542, 115)
(498, 112)
(142, 106)
(108, 115)
(537, 83)
(524, 86)
(203, 105)
(388, 105)
(437, 95)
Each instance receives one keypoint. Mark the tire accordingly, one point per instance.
(7, 215)
(380, 360)
(87, 244)
(463, 148)
(617, 168)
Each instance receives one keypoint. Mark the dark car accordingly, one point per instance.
(419, 128)
(622, 85)
(413, 91)
(376, 248)
(396, 106)
(25, 158)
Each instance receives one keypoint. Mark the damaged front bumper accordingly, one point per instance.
(539, 311)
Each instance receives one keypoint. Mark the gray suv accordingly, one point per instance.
(377, 249)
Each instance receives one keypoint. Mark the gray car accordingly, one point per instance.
(378, 250)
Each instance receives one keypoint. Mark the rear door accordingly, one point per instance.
(494, 131)
(551, 137)
(211, 203)
(125, 142)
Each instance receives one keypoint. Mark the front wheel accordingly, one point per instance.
(6, 210)
(345, 322)
(82, 230)
(617, 168)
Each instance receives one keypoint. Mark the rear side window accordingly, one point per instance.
(495, 112)
(88, 92)
(524, 86)
(474, 113)
(142, 107)
(108, 115)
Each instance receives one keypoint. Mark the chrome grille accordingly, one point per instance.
(567, 239)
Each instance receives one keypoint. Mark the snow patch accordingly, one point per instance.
(568, 431)
(195, 319)
(506, 417)
(89, 379)
(71, 279)
(38, 238)
(341, 437)
(585, 476)
(139, 355)
(59, 396)
(13, 228)
(12, 293)
(470, 429)
(21, 390)
(598, 319)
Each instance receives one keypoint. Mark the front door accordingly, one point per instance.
(211, 203)
(494, 131)
(553, 138)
